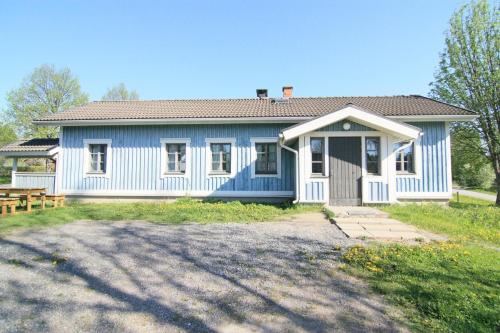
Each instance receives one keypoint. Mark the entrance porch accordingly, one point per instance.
(348, 157)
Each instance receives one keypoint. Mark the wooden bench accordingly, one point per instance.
(58, 200)
(8, 202)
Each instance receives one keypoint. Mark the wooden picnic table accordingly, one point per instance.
(27, 191)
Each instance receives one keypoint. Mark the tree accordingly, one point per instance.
(120, 93)
(470, 166)
(7, 134)
(469, 74)
(43, 92)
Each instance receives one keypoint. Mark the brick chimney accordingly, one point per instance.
(287, 91)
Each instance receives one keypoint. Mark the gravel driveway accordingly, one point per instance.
(138, 276)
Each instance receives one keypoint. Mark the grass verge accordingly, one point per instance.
(180, 211)
(443, 287)
(468, 220)
(4, 179)
(490, 191)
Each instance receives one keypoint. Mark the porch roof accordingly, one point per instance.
(358, 115)
(38, 147)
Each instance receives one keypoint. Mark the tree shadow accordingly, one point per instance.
(196, 278)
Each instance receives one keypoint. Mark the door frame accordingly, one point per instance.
(387, 174)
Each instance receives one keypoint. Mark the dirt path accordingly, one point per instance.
(143, 277)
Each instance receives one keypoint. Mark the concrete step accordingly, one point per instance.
(357, 212)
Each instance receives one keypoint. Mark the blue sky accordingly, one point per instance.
(218, 49)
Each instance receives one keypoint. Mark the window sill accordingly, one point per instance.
(219, 174)
(264, 175)
(406, 174)
(96, 174)
(317, 175)
(173, 174)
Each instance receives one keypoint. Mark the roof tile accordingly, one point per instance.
(253, 108)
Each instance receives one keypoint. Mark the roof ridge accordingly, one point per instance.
(244, 98)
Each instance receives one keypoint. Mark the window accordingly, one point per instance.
(221, 157)
(97, 160)
(372, 150)
(405, 158)
(176, 157)
(317, 156)
(267, 159)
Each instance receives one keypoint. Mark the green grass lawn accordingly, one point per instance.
(448, 286)
(4, 179)
(180, 211)
(469, 220)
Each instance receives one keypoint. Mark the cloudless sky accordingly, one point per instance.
(228, 48)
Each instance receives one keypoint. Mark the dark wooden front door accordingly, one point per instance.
(345, 170)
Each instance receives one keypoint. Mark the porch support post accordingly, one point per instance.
(14, 170)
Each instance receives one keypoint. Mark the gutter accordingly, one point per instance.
(296, 153)
(245, 120)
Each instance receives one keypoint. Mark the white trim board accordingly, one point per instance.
(175, 121)
(163, 158)
(208, 157)
(86, 143)
(357, 115)
(253, 156)
(228, 194)
(243, 120)
(423, 195)
(48, 153)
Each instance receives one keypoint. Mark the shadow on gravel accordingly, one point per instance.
(144, 277)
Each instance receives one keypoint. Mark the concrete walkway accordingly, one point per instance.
(369, 222)
(474, 194)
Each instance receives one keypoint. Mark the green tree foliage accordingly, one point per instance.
(469, 74)
(7, 134)
(120, 93)
(45, 91)
(470, 166)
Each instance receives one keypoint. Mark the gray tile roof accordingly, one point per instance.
(31, 145)
(252, 108)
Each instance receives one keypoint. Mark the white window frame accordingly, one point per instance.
(253, 157)
(164, 158)
(417, 159)
(379, 167)
(324, 146)
(208, 156)
(87, 173)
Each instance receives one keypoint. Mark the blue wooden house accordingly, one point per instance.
(333, 150)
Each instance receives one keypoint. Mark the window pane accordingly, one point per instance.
(227, 167)
(317, 145)
(372, 149)
(266, 158)
(171, 166)
(317, 155)
(372, 167)
(317, 168)
(260, 167)
(405, 159)
(97, 160)
(176, 152)
(221, 157)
